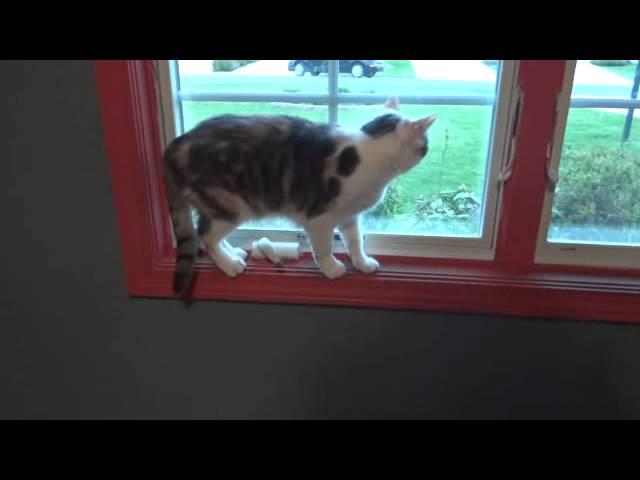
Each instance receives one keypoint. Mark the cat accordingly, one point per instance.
(234, 168)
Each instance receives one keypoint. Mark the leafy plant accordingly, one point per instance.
(459, 204)
(598, 186)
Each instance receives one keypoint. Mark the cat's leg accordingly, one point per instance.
(320, 233)
(352, 240)
(237, 251)
(212, 232)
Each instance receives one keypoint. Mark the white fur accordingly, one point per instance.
(381, 160)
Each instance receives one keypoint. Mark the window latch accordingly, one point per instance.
(505, 173)
(553, 174)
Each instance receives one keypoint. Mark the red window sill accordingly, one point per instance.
(402, 283)
(511, 285)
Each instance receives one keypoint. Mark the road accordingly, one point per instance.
(380, 85)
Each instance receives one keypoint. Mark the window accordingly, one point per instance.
(507, 267)
(445, 207)
(592, 204)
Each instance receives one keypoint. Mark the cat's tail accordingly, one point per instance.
(185, 234)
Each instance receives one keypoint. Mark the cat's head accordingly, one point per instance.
(409, 137)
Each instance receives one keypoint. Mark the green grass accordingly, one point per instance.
(398, 68)
(591, 129)
(464, 129)
(626, 71)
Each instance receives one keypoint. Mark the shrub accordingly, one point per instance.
(600, 186)
(229, 65)
(611, 63)
(393, 203)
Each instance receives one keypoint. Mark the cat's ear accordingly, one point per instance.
(422, 125)
(393, 103)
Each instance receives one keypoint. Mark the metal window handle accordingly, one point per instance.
(505, 173)
(553, 174)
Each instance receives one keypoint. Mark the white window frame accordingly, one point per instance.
(482, 247)
(573, 253)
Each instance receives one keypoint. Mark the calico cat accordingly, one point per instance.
(234, 168)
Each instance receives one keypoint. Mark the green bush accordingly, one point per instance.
(229, 65)
(393, 203)
(611, 63)
(600, 186)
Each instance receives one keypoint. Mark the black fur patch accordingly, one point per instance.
(333, 187)
(268, 161)
(204, 223)
(381, 125)
(347, 161)
(322, 197)
(186, 246)
(183, 274)
(216, 209)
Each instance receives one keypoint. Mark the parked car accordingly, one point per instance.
(357, 68)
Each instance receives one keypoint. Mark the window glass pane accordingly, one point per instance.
(603, 79)
(597, 199)
(444, 194)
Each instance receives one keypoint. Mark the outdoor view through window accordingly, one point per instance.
(445, 195)
(597, 198)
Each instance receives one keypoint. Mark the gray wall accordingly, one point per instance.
(72, 345)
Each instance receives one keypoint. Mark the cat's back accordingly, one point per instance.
(268, 143)
(261, 130)
(271, 161)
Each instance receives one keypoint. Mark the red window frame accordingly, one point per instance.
(512, 284)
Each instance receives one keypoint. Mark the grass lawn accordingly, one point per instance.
(398, 68)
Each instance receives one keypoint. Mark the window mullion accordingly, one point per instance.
(333, 91)
(177, 102)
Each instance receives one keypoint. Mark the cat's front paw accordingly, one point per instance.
(332, 267)
(240, 252)
(366, 264)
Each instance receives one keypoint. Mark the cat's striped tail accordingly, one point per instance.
(186, 237)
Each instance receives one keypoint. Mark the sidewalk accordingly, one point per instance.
(476, 70)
